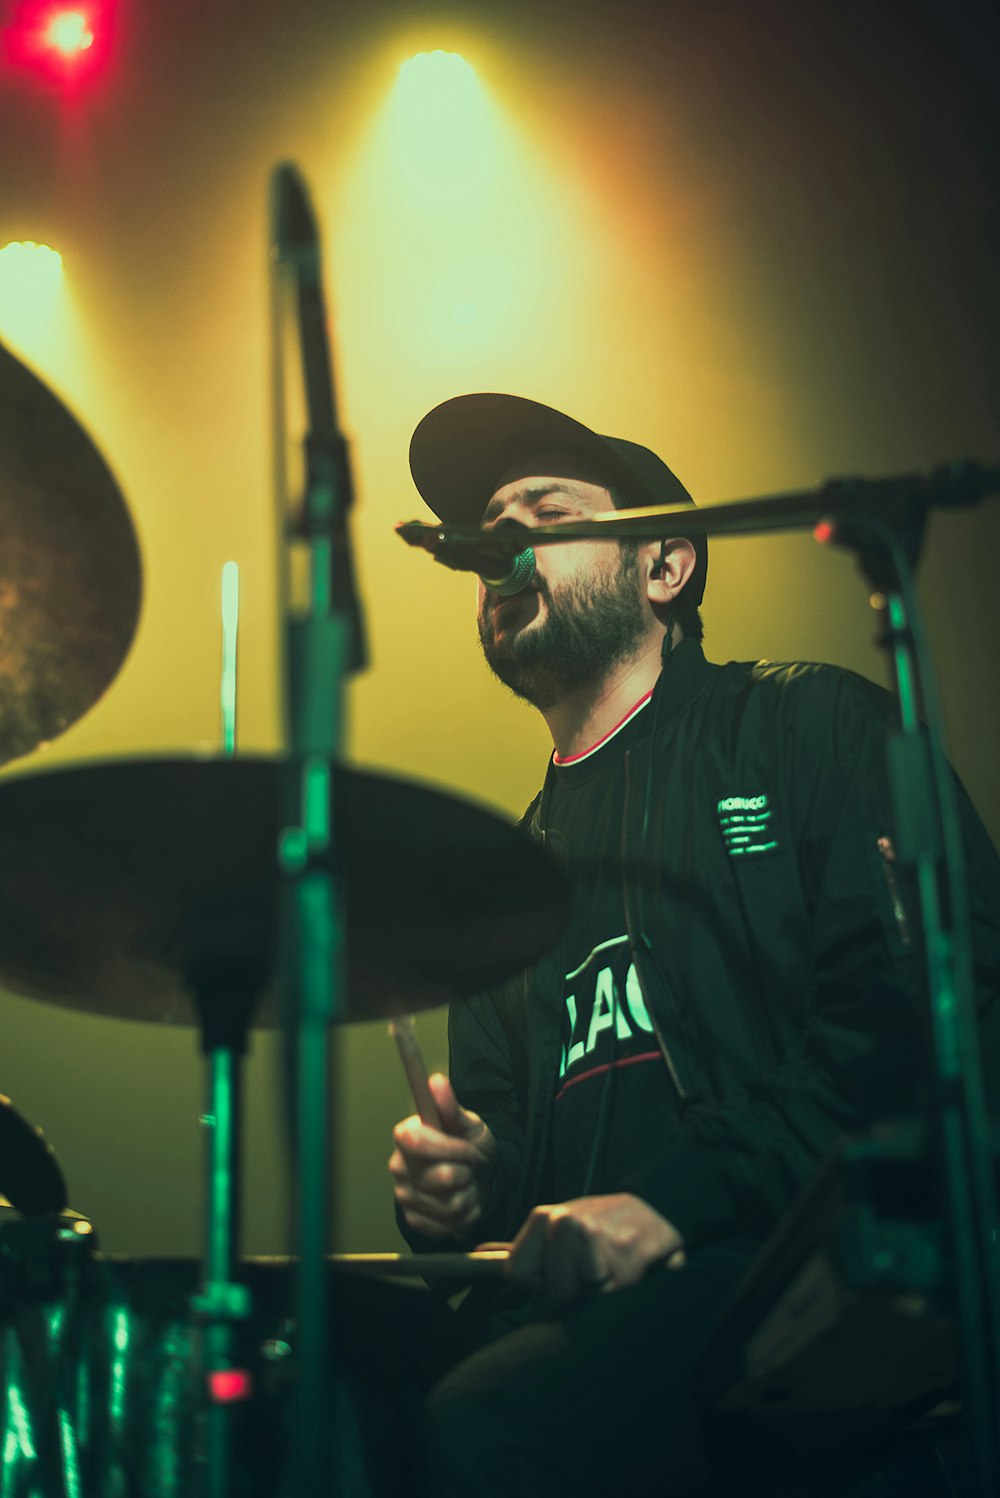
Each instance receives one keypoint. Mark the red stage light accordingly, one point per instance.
(61, 43)
(69, 32)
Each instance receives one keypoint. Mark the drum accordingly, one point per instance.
(100, 1362)
(101, 1358)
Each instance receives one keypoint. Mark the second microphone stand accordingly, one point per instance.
(324, 643)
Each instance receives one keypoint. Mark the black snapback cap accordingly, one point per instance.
(461, 448)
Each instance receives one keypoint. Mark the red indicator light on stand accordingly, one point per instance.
(229, 1385)
(824, 532)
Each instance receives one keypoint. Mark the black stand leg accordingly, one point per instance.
(225, 994)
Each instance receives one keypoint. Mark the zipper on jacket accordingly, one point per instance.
(634, 944)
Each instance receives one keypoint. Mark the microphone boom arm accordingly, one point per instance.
(893, 500)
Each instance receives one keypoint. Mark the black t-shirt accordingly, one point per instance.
(614, 1096)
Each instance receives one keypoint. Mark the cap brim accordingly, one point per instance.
(460, 450)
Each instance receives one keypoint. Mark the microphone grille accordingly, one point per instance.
(522, 571)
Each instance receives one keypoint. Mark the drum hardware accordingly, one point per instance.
(70, 574)
(106, 910)
(325, 643)
(36, 1254)
(114, 1349)
(30, 1176)
(846, 1307)
(225, 992)
(230, 655)
(44, 1261)
(103, 909)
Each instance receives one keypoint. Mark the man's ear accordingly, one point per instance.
(669, 565)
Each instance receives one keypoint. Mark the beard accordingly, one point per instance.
(589, 627)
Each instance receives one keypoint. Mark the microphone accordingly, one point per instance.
(512, 578)
(491, 554)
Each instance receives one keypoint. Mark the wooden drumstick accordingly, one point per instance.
(479, 1264)
(404, 1034)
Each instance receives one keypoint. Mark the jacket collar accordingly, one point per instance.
(687, 673)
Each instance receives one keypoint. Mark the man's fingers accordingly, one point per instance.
(455, 1209)
(417, 1140)
(459, 1122)
(455, 1214)
(554, 1256)
(447, 1103)
(429, 1227)
(564, 1251)
(527, 1252)
(441, 1176)
(572, 1263)
(442, 1181)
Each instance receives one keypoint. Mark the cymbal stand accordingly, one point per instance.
(324, 643)
(225, 993)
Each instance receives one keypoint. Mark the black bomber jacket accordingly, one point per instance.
(776, 949)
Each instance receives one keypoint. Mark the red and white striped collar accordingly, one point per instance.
(576, 759)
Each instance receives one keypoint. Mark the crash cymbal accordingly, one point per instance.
(121, 882)
(30, 1177)
(70, 575)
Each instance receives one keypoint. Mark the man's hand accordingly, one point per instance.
(443, 1175)
(594, 1242)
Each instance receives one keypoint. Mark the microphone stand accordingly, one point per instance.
(323, 645)
(883, 522)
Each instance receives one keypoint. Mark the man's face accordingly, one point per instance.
(585, 609)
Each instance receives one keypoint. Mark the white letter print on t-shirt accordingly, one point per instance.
(602, 994)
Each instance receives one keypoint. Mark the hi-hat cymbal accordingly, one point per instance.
(121, 882)
(70, 575)
(30, 1177)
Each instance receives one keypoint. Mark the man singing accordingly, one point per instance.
(736, 988)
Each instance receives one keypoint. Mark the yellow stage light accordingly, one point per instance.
(29, 270)
(441, 128)
(439, 78)
(30, 277)
(23, 259)
(477, 253)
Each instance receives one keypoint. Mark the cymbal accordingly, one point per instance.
(30, 1177)
(122, 882)
(70, 574)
